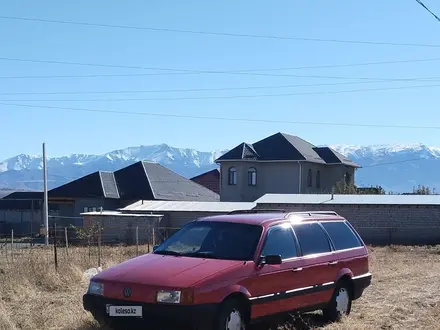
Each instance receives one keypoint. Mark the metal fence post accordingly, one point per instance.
(137, 241)
(12, 244)
(154, 237)
(99, 244)
(55, 245)
(67, 241)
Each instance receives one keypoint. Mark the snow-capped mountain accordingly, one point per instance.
(396, 168)
(25, 171)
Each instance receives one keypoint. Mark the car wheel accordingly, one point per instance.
(232, 316)
(340, 303)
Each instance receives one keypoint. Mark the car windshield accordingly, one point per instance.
(215, 240)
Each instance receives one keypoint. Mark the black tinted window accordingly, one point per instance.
(280, 241)
(341, 235)
(312, 238)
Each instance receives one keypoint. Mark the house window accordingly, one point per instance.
(318, 179)
(232, 176)
(309, 178)
(252, 177)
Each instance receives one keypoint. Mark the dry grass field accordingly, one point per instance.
(405, 293)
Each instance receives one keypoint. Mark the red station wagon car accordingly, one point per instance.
(226, 272)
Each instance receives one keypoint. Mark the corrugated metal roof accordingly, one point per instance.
(119, 214)
(109, 185)
(349, 199)
(179, 206)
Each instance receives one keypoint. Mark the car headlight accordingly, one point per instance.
(169, 297)
(96, 288)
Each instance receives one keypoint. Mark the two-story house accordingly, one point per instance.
(281, 163)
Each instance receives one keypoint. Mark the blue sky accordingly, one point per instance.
(66, 132)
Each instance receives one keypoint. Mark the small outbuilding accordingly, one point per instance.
(178, 213)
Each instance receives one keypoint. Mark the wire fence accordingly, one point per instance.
(98, 245)
(95, 246)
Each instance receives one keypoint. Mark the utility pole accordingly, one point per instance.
(45, 204)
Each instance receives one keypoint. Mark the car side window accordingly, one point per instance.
(312, 238)
(341, 235)
(280, 241)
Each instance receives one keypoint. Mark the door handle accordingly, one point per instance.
(296, 270)
(332, 263)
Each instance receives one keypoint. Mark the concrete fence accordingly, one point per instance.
(382, 224)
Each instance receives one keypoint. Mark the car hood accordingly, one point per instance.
(169, 271)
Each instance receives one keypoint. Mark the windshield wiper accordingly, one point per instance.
(207, 255)
(168, 253)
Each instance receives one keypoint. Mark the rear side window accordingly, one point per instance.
(280, 241)
(341, 235)
(312, 238)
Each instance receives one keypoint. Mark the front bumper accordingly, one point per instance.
(199, 316)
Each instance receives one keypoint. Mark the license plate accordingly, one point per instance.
(125, 311)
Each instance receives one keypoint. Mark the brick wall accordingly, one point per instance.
(383, 224)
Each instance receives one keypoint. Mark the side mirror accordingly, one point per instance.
(271, 260)
(155, 247)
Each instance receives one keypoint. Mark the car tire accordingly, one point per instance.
(232, 316)
(340, 303)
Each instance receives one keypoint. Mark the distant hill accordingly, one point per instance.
(395, 168)
(25, 171)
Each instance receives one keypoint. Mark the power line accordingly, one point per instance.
(252, 120)
(396, 162)
(186, 71)
(225, 96)
(192, 71)
(429, 10)
(241, 35)
(210, 72)
(195, 89)
(422, 79)
(218, 72)
(187, 90)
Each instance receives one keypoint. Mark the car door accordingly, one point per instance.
(320, 263)
(269, 284)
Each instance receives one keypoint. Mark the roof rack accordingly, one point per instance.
(310, 213)
(257, 211)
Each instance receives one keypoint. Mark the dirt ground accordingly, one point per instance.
(405, 293)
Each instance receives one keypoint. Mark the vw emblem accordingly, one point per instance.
(127, 292)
